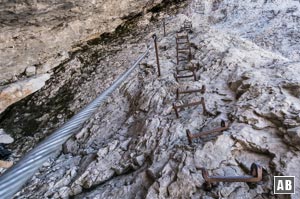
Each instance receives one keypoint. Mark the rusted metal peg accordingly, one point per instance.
(256, 172)
(189, 136)
(205, 112)
(156, 52)
(205, 133)
(176, 108)
(164, 25)
(176, 76)
(202, 91)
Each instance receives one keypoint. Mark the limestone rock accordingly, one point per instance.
(19, 90)
(5, 138)
(294, 133)
(30, 71)
(33, 44)
(134, 146)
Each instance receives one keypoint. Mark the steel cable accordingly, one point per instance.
(15, 177)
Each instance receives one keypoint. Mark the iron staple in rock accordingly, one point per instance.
(191, 136)
(202, 102)
(255, 176)
(194, 75)
(178, 92)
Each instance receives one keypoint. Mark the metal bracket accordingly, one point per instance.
(194, 67)
(255, 176)
(176, 76)
(191, 136)
(202, 91)
(202, 102)
(183, 46)
(156, 53)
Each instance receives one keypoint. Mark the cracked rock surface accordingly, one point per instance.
(43, 33)
(135, 147)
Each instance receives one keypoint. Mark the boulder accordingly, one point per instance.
(5, 138)
(30, 71)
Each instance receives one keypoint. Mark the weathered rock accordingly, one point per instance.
(135, 147)
(27, 40)
(294, 133)
(30, 71)
(17, 91)
(5, 138)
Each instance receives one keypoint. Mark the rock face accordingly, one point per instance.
(17, 91)
(30, 71)
(38, 36)
(42, 33)
(135, 147)
(272, 24)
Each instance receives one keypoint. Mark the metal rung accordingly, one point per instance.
(202, 91)
(202, 102)
(191, 136)
(256, 174)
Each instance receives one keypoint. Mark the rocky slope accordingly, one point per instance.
(135, 147)
(37, 36)
(41, 33)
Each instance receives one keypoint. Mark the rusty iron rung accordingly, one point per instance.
(192, 68)
(184, 54)
(205, 112)
(183, 50)
(223, 127)
(189, 105)
(180, 46)
(176, 108)
(184, 57)
(256, 172)
(186, 76)
(182, 36)
(182, 40)
(185, 47)
(181, 70)
(183, 43)
(202, 91)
